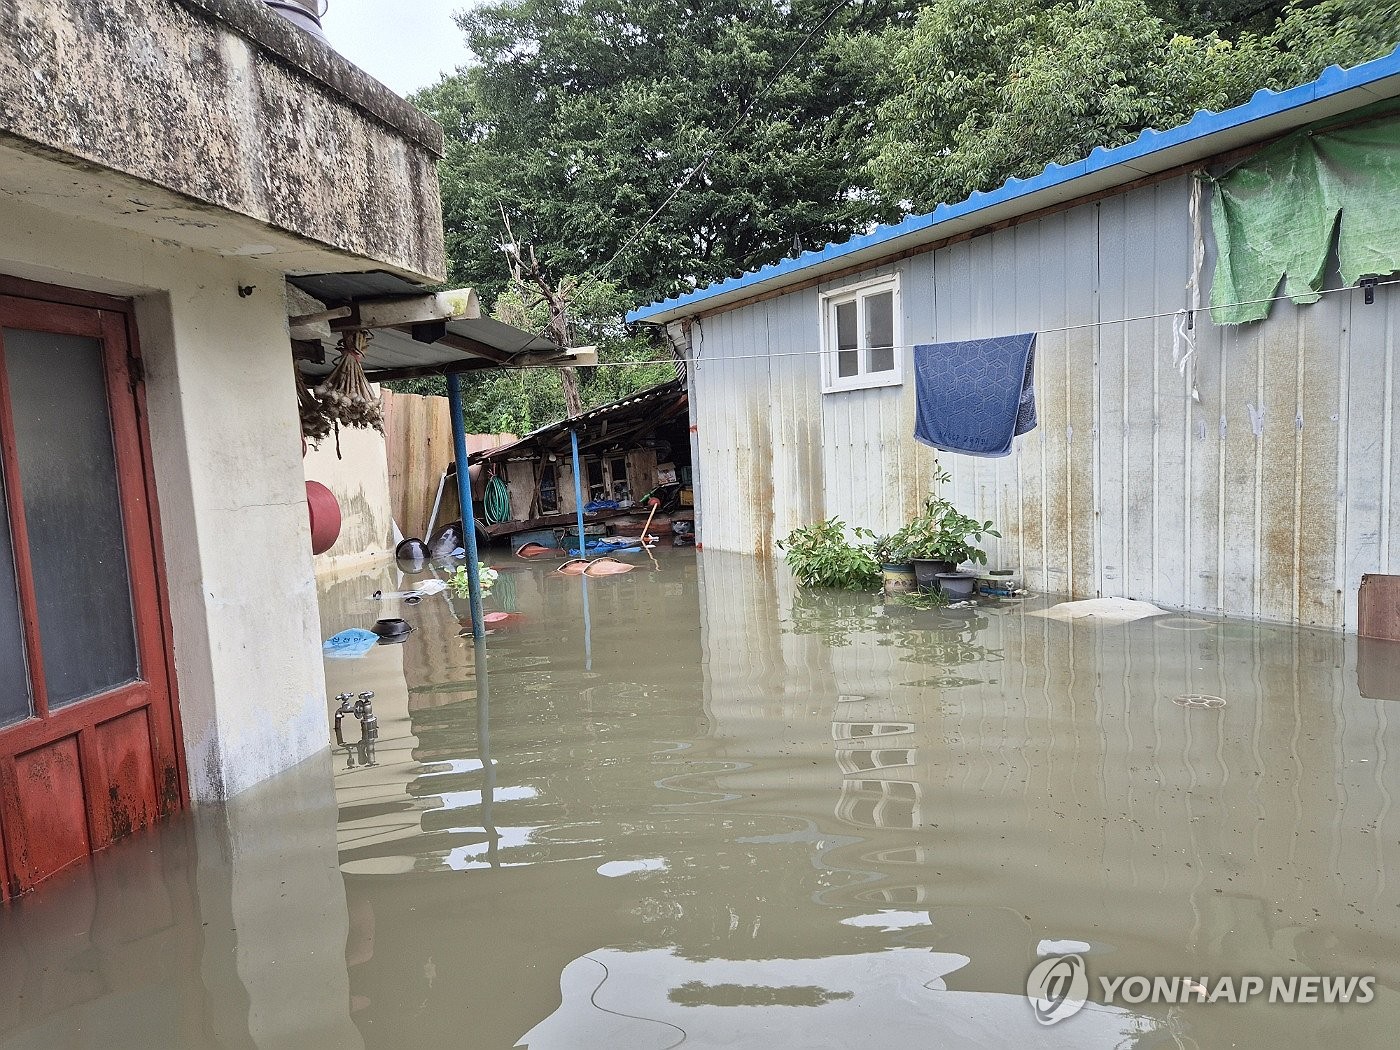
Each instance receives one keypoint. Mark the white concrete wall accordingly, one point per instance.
(226, 447)
(359, 479)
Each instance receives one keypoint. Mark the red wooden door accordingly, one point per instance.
(89, 747)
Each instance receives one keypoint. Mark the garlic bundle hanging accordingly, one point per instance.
(315, 426)
(346, 396)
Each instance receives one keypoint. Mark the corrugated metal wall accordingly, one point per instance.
(1269, 498)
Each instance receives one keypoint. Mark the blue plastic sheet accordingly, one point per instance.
(351, 644)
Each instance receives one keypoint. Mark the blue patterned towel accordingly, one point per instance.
(975, 396)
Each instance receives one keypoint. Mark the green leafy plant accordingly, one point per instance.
(942, 533)
(978, 90)
(890, 550)
(824, 555)
(461, 583)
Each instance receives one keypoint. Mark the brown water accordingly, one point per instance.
(715, 812)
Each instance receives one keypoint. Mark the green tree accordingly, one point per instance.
(982, 90)
(581, 117)
(1229, 18)
(658, 145)
(517, 401)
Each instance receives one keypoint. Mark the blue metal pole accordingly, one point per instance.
(583, 553)
(587, 625)
(488, 764)
(464, 495)
(578, 497)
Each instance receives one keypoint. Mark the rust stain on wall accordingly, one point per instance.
(760, 461)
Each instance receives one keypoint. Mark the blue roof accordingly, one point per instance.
(1205, 134)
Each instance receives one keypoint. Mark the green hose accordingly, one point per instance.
(496, 503)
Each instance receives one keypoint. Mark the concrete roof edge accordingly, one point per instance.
(1133, 158)
(317, 59)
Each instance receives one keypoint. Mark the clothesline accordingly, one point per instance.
(699, 359)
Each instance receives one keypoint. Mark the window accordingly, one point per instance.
(617, 470)
(549, 489)
(597, 482)
(861, 336)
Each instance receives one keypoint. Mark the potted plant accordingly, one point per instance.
(960, 535)
(823, 555)
(940, 539)
(896, 568)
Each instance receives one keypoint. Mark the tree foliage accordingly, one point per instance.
(657, 145)
(518, 400)
(982, 90)
(580, 117)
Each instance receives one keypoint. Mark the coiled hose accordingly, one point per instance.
(495, 504)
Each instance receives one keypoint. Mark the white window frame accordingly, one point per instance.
(863, 380)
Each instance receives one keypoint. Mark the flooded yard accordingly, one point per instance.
(694, 806)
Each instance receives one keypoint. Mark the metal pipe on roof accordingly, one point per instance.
(306, 14)
(464, 495)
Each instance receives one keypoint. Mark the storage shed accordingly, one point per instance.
(1246, 469)
(628, 450)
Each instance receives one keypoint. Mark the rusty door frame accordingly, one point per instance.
(110, 320)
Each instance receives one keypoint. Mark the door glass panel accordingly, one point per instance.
(879, 331)
(847, 339)
(68, 476)
(16, 700)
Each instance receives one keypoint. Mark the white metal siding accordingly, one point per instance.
(1267, 499)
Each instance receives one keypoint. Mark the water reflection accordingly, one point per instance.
(716, 810)
(224, 929)
(727, 830)
(895, 998)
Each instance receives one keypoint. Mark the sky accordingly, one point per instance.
(408, 44)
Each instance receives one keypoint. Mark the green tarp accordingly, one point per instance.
(1276, 214)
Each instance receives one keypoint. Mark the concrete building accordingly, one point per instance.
(1267, 495)
(165, 167)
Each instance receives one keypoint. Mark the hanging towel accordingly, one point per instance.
(975, 396)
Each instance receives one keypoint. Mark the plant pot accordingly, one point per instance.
(957, 585)
(899, 579)
(926, 572)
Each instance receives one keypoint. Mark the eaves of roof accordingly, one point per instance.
(633, 405)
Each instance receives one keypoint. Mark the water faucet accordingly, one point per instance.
(340, 713)
(364, 711)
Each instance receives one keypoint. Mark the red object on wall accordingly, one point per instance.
(325, 517)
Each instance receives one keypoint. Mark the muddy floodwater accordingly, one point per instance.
(694, 806)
